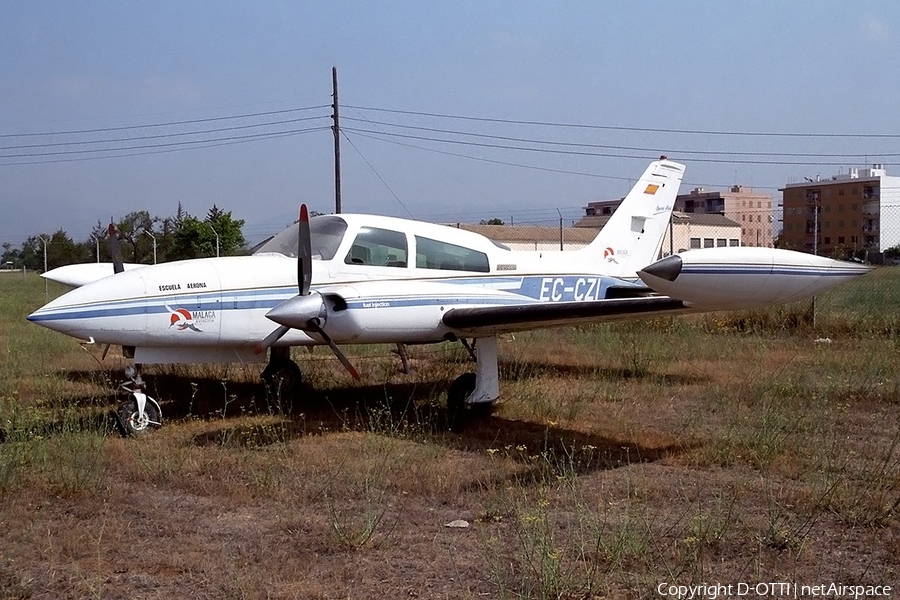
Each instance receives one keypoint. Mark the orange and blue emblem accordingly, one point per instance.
(181, 318)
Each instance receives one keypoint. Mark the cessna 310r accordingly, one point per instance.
(361, 279)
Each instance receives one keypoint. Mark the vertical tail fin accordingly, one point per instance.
(631, 238)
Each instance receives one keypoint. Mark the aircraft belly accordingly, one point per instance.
(196, 354)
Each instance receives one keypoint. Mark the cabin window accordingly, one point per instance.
(695, 242)
(721, 242)
(433, 254)
(378, 247)
(734, 242)
(709, 243)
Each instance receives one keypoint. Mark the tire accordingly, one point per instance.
(282, 376)
(134, 425)
(461, 387)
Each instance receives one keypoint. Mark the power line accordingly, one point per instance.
(656, 150)
(633, 129)
(452, 175)
(378, 175)
(157, 136)
(376, 136)
(167, 124)
(170, 147)
(593, 154)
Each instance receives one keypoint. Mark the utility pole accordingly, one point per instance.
(336, 129)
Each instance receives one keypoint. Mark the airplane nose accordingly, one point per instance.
(668, 268)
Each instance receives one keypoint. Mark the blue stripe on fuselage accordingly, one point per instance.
(810, 271)
(510, 290)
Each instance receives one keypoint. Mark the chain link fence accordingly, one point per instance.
(867, 305)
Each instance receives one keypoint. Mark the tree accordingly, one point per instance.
(32, 253)
(178, 237)
(892, 252)
(10, 256)
(493, 221)
(136, 245)
(97, 244)
(193, 238)
(62, 250)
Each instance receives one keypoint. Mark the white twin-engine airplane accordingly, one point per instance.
(363, 279)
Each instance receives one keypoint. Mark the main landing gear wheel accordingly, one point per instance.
(459, 390)
(135, 422)
(282, 375)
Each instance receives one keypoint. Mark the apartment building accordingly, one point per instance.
(751, 210)
(851, 214)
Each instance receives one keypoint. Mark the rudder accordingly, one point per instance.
(632, 237)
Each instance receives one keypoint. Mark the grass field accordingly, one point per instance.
(761, 446)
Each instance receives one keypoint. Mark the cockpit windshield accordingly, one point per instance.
(325, 232)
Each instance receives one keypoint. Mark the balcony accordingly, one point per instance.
(871, 193)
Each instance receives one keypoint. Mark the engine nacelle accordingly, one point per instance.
(745, 277)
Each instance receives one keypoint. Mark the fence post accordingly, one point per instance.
(560, 228)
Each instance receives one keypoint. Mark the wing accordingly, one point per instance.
(522, 317)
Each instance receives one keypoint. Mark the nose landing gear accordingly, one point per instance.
(139, 413)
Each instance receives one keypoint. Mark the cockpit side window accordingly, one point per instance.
(325, 232)
(378, 247)
(434, 254)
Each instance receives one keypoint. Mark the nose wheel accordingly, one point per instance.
(140, 413)
(136, 420)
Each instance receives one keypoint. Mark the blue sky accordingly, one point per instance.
(724, 68)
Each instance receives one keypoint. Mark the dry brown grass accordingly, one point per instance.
(622, 456)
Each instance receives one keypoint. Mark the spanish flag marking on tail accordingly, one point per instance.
(651, 189)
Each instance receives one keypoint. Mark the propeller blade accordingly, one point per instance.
(334, 348)
(114, 250)
(271, 339)
(304, 252)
